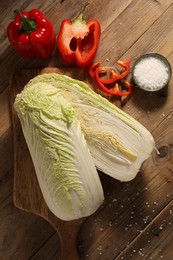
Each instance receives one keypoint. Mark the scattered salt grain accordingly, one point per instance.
(141, 252)
(108, 59)
(163, 114)
(145, 219)
(110, 223)
(137, 194)
(99, 248)
(161, 227)
(156, 203)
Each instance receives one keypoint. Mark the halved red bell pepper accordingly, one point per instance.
(78, 41)
(32, 34)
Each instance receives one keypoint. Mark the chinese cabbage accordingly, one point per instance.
(118, 143)
(65, 169)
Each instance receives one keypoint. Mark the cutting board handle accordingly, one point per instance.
(68, 234)
(67, 230)
(68, 237)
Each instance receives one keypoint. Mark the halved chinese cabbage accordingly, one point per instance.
(65, 169)
(118, 143)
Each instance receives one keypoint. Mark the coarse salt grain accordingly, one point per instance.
(151, 73)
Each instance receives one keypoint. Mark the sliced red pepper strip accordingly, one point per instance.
(95, 71)
(115, 90)
(92, 68)
(113, 75)
(126, 66)
(129, 86)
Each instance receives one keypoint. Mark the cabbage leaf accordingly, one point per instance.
(65, 169)
(119, 144)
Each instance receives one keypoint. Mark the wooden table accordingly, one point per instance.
(136, 220)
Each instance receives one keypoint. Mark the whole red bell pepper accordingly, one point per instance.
(32, 34)
(78, 41)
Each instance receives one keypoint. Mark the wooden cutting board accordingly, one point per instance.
(27, 194)
(131, 211)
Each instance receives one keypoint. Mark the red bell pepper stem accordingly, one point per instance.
(27, 25)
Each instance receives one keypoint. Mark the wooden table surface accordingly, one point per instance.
(136, 220)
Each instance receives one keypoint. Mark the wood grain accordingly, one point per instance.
(127, 28)
(154, 240)
(28, 227)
